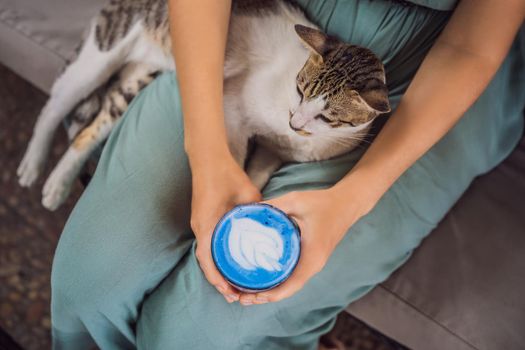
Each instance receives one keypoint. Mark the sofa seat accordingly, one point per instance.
(464, 287)
(37, 36)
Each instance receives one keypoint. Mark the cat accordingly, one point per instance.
(294, 92)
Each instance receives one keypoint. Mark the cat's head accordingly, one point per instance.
(340, 85)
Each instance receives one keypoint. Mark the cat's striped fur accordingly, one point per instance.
(298, 102)
(116, 19)
(114, 96)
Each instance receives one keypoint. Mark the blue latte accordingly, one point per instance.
(255, 246)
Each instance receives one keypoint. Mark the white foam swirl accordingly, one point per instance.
(253, 245)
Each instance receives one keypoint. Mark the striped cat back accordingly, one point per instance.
(117, 18)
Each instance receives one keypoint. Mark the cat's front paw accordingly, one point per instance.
(31, 166)
(56, 190)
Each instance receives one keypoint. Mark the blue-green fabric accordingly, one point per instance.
(442, 5)
(125, 274)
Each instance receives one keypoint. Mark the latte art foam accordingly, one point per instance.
(253, 245)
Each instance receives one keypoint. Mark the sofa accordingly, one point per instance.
(464, 288)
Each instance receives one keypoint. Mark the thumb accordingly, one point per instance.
(213, 275)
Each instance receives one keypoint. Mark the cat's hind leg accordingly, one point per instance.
(261, 165)
(92, 68)
(85, 112)
(131, 80)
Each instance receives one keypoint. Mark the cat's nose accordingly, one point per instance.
(293, 127)
(298, 120)
(296, 123)
(297, 126)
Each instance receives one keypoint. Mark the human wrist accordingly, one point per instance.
(205, 147)
(209, 156)
(359, 191)
(204, 138)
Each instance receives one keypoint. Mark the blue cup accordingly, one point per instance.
(256, 246)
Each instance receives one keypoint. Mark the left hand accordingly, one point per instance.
(323, 216)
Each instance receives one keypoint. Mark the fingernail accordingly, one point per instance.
(247, 303)
(234, 297)
(228, 299)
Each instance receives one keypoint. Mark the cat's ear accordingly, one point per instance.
(314, 39)
(375, 94)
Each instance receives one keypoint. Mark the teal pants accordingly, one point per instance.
(125, 274)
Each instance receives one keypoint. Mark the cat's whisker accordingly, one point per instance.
(361, 137)
(349, 141)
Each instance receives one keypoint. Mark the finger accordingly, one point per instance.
(306, 268)
(285, 290)
(214, 277)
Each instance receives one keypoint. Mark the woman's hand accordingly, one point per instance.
(217, 187)
(324, 216)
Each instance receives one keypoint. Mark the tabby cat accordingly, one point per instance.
(294, 92)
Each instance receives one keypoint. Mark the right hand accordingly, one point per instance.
(216, 188)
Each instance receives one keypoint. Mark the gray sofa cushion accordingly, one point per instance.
(464, 287)
(37, 36)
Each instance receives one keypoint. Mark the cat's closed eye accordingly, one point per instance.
(323, 118)
(300, 92)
